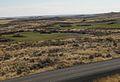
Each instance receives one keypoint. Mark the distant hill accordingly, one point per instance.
(113, 15)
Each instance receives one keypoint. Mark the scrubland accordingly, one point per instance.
(112, 78)
(39, 45)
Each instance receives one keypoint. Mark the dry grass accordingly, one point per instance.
(112, 78)
(24, 58)
(4, 21)
(35, 52)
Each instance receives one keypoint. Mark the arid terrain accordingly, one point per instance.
(38, 44)
(112, 78)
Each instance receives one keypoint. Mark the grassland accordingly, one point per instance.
(93, 26)
(112, 78)
(2, 21)
(34, 36)
(34, 46)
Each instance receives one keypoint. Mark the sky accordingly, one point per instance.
(12, 8)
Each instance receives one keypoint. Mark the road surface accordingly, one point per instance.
(81, 73)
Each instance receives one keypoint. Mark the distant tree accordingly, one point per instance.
(83, 20)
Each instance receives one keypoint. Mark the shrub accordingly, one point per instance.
(17, 35)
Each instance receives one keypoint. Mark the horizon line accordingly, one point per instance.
(72, 14)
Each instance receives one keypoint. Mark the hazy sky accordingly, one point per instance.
(56, 7)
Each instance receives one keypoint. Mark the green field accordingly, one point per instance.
(93, 26)
(34, 36)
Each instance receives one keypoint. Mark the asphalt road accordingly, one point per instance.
(79, 73)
